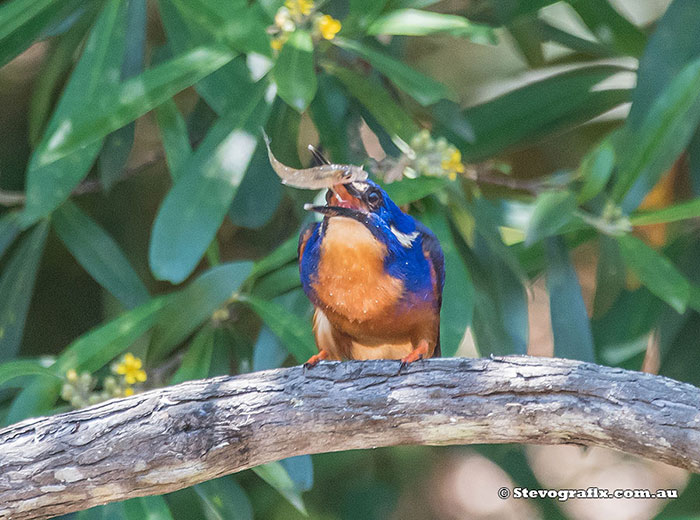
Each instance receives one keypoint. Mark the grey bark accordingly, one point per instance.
(173, 437)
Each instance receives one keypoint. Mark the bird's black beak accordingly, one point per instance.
(342, 200)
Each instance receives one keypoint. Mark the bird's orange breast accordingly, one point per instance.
(351, 280)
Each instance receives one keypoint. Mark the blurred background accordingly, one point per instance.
(144, 239)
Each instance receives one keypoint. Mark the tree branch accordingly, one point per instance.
(173, 437)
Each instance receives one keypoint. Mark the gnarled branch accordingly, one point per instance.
(170, 438)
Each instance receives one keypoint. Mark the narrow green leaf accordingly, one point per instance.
(52, 74)
(362, 13)
(9, 229)
(282, 255)
(294, 332)
(223, 499)
(193, 210)
(301, 471)
(99, 254)
(647, 152)
(655, 271)
(197, 360)
(610, 27)
(529, 113)
(173, 133)
(22, 367)
(16, 287)
(420, 87)
(595, 170)
(259, 194)
(406, 191)
(610, 276)
(458, 296)
(183, 35)
(268, 352)
(23, 21)
(131, 99)
(189, 308)
(98, 69)
(294, 71)
(238, 25)
(377, 100)
(146, 508)
(684, 210)
(412, 22)
(329, 111)
(117, 146)
(275, 475)
(553, 210)
(570, 325)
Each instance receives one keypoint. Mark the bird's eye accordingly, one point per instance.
(374, 198)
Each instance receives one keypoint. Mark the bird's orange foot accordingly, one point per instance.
(313, 360)
(417, 353)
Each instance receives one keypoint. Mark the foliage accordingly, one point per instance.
(196, 266)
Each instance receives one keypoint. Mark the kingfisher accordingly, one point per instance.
(375, 276)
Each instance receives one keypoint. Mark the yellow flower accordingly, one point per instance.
(299, 7)
(276, 44)
(72, 375)
(453, 165)
(128, 391)
(329, 26)
(130, 368)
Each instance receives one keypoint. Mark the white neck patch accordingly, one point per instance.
(405, 239)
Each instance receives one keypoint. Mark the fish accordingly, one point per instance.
(318, 177)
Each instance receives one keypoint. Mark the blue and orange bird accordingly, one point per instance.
(375, 277)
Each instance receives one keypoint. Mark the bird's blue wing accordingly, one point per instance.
(433, 252)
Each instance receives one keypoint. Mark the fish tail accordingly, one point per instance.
(265, 137)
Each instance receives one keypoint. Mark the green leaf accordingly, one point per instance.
(197, 360)
(610, 27)
(16, 287)
(53, 72)
(394, 119)
(294, 332)
(610, 275)
(420, 87)
(173, 133)
(223, 498)
(595, 170)
(22, 367)
(294, 71)
(655, 271)
(117, 146)
(570, 325)
(529, 113)
(99, 254)
(236, 24)
(553, 210)
(412, 22)
(48, 185)
(281, 256)
(458, 295)
(406, 191)
(193, 210)
(23, 21)
(189, 308)
(301, 471)
(146, 508)
(9, 229)
(681, 211)
(217, 88)
(647, 152)
(130, 100)
(261, 191)
(362, 13)
(275, 475)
